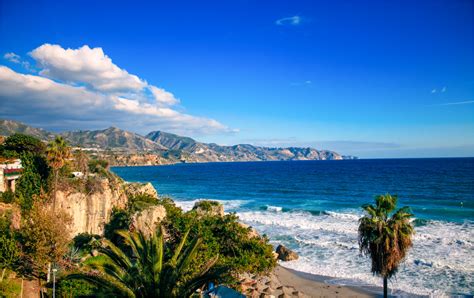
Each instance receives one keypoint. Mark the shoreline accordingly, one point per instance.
(317, 286)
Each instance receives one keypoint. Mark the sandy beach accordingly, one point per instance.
(314, 286)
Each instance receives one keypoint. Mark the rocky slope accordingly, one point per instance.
(112, 138)
(91, 210)
(9, 127)
(127, 148)
(202, 152)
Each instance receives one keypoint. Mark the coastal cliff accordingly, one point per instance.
(91, 210)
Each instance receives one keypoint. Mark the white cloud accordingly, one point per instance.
(439, 90)
(466, 102)
(12, 57)
(84, 87)
(162, 96)
(85, 65)
(292, 21)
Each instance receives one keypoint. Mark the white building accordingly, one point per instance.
(10, 171)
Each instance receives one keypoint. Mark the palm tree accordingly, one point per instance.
(58, 152)
(386, 239)
(148, 273)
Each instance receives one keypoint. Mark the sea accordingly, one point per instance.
(313, 207)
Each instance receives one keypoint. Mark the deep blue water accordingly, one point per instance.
(313, 207)
(441, 189)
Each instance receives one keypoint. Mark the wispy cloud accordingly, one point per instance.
(307, 82)
(439, 90)
(14, 58)
(466, 102)
(289, 21)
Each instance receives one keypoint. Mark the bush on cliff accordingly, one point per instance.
(223, 235)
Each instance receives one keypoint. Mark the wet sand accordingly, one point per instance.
(314, 286)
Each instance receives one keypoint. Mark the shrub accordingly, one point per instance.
(75, 288)
(223, 235)
(9, 288)
(7, 197)
(206, 205)
(18, 143)
(141, 201)
(119, 220)
(98, 166)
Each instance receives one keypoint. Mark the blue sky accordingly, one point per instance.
(368, 78)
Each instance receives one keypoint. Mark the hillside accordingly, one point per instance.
(203, 152)
(9, 127)
(112, 138)
(159, 147)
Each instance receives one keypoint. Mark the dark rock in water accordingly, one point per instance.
(286, 254)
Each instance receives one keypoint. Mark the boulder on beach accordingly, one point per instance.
(286, 254)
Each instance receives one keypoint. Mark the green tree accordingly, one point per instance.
(30, 182)
(385, 236)
(44, 239)
(58, 152)
(17, 143)
(9, 252)
(149, 272)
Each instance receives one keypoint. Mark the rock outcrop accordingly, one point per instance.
(146, 221)
(209, 208)
(286, 254)
(91, 210)
(133, 189)
(13, 213)
(252, 232)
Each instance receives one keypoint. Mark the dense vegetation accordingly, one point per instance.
(187, 250)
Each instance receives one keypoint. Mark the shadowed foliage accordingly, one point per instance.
(58, 152)
(385, 235)
(149, 272)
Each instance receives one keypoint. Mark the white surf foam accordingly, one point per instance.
(274, 208)
(229, 205)
(440, 261)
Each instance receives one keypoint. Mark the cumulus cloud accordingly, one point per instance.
(162, 96)
(86, 65)
(83, 86)
(289, 21)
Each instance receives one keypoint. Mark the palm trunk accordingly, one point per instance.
(39, 286)
(55, 185)
(385, 287)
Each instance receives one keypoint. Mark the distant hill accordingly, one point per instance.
(171, 146)
(112, 138)
(9, 127)
(243, 152)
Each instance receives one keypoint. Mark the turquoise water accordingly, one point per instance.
(313, 207)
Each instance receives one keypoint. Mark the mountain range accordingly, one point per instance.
(169, 146)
